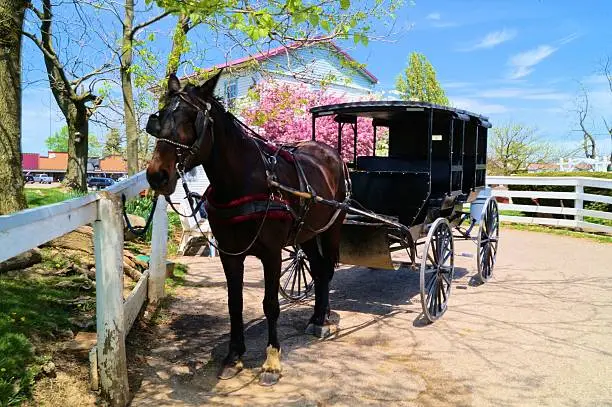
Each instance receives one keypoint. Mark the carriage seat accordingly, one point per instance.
(369, 163)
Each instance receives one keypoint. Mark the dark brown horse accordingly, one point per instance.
(194, 129)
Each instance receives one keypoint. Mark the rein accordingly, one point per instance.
(138, 230)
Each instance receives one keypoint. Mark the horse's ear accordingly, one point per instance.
(208, 87)
(174, 85)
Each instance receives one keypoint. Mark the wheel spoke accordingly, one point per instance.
(446, 277)
(290, 279)
(305, 280)
(433, 262)
(289, 266)
(299, 287)
(433, 299)
(447, 256)
(434, 249)
(429, 270)
(443, 291)
(439, 297)
(307, 268)
(433, 283)
(429, 283)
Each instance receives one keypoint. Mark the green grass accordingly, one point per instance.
(559, 231)
(31, 307)
(46, 196)
(178, 278)
(605, 175)
(511, 213)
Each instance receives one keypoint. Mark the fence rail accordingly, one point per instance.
(115, 316)
(574, 215)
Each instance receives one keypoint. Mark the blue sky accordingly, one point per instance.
(522, 61)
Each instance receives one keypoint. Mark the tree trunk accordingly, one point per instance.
(179, 40)
(131, 128)
(178, 44)
(12, 197)
(78, 132)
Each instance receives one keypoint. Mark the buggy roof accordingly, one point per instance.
(392, 110)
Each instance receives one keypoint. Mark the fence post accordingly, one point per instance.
(159, 245)
(579, 203)
(108, 246)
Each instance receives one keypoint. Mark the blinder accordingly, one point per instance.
(153, 125)
(201, 124)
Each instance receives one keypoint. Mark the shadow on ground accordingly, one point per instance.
(181, 364)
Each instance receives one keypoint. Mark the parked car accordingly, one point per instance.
(122, 178)
(99, 182)
(43, 178)
(28, 178)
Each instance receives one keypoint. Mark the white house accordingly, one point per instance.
(317, 64)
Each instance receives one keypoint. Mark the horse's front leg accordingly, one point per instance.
(233, 266)
(271, 369)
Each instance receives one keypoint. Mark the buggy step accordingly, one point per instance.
(465, 254)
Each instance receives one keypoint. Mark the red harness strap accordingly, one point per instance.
(247, 207)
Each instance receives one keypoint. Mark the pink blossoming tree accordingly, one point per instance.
(282, 111)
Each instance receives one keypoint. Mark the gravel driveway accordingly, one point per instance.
(540, 333)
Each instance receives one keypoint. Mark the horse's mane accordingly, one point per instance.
(230, 120)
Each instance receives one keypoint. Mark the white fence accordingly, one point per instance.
(574, 217)
(114, 315)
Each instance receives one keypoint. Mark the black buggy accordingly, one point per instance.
(413, 199)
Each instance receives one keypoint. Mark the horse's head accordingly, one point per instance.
(183, 128)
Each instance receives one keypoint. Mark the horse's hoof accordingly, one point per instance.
(269, 378)
(321, 331)
(230, 371)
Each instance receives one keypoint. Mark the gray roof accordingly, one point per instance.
(386, 109)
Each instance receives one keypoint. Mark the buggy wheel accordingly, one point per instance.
(296, 283)
(488, 238)
(437, 269)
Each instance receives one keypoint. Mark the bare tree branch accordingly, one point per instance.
(106, 68)
(153, 20)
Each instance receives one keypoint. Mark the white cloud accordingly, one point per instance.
(569, 38)
(595, 80)
(493, 39)
(523, 93)
(433, 16)
(523, 63)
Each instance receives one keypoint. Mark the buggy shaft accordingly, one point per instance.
(337, 205)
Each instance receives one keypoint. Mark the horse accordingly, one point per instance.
(247, 211)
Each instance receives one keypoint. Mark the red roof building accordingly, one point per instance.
(29, 161)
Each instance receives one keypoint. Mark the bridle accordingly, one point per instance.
(202, 122)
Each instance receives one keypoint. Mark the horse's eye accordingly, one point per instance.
(153, 125)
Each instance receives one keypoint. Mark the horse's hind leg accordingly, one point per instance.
(234, 274)
(271, 369)
(322, 256)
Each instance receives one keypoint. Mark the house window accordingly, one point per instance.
(231, 93)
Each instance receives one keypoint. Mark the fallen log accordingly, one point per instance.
(21, 261)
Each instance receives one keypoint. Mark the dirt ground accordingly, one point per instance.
(539, 333)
